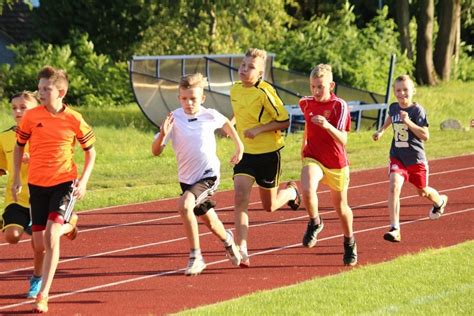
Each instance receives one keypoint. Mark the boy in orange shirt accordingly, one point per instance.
(51, 130)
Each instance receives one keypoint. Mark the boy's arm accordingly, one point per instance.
(89, 161)
(304, 141)
(159, 143)
(239, 146)
(378, 134)
(17, 156)
(338, 135)
(421, 132)
(272, 126)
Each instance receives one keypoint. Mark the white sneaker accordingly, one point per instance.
(195, 266)
(393, 235)
(436, 211)
(232, 251)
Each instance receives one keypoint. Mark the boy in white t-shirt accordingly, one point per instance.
(191, 129)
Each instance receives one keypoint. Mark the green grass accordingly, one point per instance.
(126, 172)
(434, 282)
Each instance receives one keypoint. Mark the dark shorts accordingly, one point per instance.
(48, 202)
(16, 215)
(264, 168)
(201, 191)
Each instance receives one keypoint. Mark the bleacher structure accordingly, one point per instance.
(155, 79)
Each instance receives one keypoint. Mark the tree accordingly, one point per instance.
(402, 10)
(115, 27)
(449, 18)
(425, 73)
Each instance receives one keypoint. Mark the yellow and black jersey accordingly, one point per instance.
(7, 145)
(254, 106)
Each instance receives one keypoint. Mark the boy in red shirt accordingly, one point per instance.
(324, 157)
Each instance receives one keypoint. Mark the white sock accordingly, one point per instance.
(228, 239)
(195, 253)
(396, 226)
(243, 249)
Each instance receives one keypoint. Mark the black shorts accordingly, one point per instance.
(201, 191)
(46, 200)
(16, 215)
(264, 168)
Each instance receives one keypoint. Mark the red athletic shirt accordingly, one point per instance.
(320, 145)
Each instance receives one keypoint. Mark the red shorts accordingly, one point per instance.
(416, 174)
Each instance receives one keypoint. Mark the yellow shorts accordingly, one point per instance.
(336, 179)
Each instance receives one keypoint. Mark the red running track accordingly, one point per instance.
(130, 259)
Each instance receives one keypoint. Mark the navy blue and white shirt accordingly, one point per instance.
(406, 147)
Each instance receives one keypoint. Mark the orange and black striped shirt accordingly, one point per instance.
(52, 139)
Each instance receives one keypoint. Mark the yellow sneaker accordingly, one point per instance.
(41, 304)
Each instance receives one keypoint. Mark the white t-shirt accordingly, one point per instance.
(194, 144)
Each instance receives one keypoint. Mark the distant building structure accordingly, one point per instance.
(15, 27)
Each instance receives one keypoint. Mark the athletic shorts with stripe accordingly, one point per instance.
(51, 203)
(264, 168)
(16, 215)
(201, 191)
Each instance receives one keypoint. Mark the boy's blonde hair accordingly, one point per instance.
(59, 77)
(322, 70)
(404, 78)
(191, 81)
(28, 95)
(255, 52)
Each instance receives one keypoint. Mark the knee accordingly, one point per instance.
(12, 237)
(241, 198)
(422, 192)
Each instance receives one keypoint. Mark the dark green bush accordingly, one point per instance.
(94, 79)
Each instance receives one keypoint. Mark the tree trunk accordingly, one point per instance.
(402, 9)
(425, 73)
(444, 49)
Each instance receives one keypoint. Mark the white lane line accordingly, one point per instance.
(107, 285)
(208, 233)
(231, 207)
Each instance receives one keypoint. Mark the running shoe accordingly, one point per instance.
(245, 261)
(232, 250)
(294, 204)
(73, 233)
(41, 304)
(310, 237)
(393, 235)
(35, 285)
(437, 211)
(195, 266)
(350, 254)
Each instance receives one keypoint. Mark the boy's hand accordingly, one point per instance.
(377, 135)
(251, 133)
(236, 157)
(320, 121)
(26, 158)
(404, 117)
(16, 189)
(79, 190)
(167, 124)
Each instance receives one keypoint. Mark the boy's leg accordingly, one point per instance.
(215, 225)
(242, 187)
(38, 257)
(339, 199)
(272, 199)
(186, 211)
(51, 258)
(311, 175)
(13, 234)
(396, 184)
